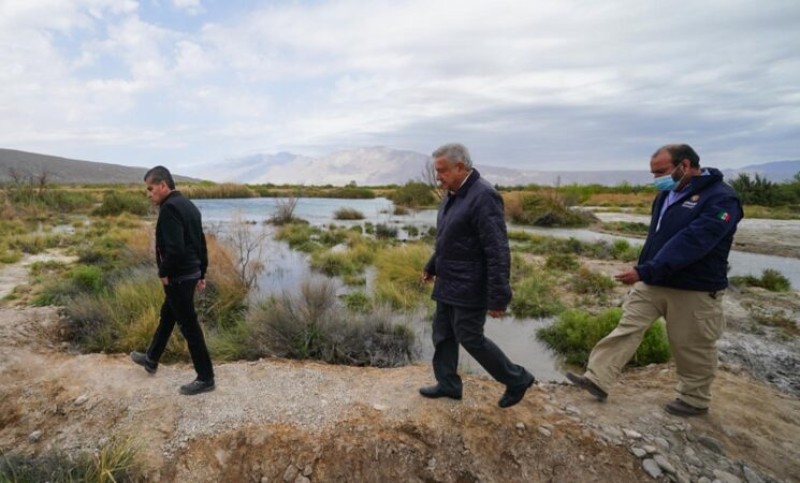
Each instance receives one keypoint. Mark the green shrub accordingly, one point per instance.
(357, 302)
(549, 211)
(118, 202)
(586, 281)
(311, 325)
(397, 281)
(624, 251)
(413, 194)
(87, 278)
(411, 230)
(534, 297)
(9, 256)
(770, 279)
(383, 231)
(562, 261)
(348, 214)
(627, 227)
(576, 332)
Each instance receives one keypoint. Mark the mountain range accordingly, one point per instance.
(364, 166)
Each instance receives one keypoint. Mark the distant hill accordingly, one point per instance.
(381, 165)
(69, 171)
(774, 171)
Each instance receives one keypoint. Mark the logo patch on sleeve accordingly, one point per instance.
(724, 216)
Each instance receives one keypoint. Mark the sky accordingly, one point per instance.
(536, 84)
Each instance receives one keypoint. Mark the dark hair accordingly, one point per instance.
(159, 174)
(679, 152)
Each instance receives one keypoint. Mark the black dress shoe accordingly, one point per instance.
(436, 391)
(584, 383)
(144, 361)
(196, 387)
(680, 408)
(514, 394)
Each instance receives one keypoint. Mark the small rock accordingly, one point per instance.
(572, 410)
(301, 479)
(664, 463)
(264, 479)
(649, 448)
(544, 431)
(308, 470)
(682, 477)
(612, 432)
(712, 444)
(380, 407)
(751, 476)
(35, 436)
(638, 452)
(521, 426)
(703, 479)
(726, 477)
(694, 460)
(291, 473)
(662, 442)
(81, 400)
(632, 434)
(689, 451)
(651, 467)
(547, 426)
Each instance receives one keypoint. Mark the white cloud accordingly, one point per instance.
(561, 81)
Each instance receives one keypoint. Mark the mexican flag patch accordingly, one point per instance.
(724, 216)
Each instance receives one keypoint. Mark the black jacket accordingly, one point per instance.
(471, 260)
(180, 242)
(690, 249)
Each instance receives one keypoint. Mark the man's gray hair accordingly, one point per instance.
(455, 153)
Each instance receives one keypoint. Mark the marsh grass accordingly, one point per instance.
(562, 261)
(114, 462)
(397, 280)
(312, 325)
(588, 282)
(770, 279)
(576, 332)
(544, 209)
(348, 214)
(634, 228)
(536, 244)
(117, 202)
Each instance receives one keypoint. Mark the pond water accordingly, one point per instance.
(286, 268)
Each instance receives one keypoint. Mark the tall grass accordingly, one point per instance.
(118, 202)
(770, 279)
(311, 325)
(398, 275)
(348, 214)
(222, 190)
(576, 332)
(114, 462)
(541, 209)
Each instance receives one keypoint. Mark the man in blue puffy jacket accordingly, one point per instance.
(681, 276)
(470, 265)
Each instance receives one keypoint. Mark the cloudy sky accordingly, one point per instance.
(542, 84)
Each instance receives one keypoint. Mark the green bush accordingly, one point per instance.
(413, 194)
(549, 211)
(562, 261)
(357, 302)
(771, 279)
(576, 332)
(397, 281)
(385, 231)
(534, 297)
(586, 281)
(311, 325)
(118, 202)
(87, 278)
(348, 214)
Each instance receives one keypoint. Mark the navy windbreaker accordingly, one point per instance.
(689, 250)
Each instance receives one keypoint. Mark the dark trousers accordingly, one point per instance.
(454, 325)
(179, 307)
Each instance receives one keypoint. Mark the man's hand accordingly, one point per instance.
(165, 281)
(628, 277)
(497, 313)
(426, 277)
(201, 284)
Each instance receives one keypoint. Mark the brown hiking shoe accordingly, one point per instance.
(584, 383)
(680, 408)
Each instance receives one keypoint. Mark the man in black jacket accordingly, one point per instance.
(470, 265)
(182, 261)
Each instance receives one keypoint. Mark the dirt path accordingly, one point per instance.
(277, 420)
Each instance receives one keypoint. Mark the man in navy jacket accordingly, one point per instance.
(681, 276)
(470, 265)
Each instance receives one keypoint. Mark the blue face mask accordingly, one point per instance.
(665, 183)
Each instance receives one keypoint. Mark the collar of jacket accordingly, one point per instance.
(170, 195)
(471, 179)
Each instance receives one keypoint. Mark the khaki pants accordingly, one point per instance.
(694, 323)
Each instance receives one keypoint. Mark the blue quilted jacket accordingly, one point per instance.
(471, 260)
